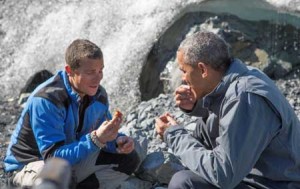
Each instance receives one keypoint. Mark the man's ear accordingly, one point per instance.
(203, 68)
(68, 70)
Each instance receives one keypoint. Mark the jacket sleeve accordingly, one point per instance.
(247, 125)
(197, 110)
(48, 125)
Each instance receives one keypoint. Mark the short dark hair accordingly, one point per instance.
(79, 49)
(208, 48)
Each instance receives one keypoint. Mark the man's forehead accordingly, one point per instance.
(180, 57)
(87, 62)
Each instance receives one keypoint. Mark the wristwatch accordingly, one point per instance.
(96, 141)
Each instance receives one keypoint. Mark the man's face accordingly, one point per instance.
(85, 79)
(194, 76)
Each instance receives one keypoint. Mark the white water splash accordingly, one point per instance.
(124, 29)
(289, 5)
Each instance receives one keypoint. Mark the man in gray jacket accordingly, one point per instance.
(248, 135)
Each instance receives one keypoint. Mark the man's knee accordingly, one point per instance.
(130, 163)
(186, 179)
(28, 174)
(179, 180)
(127, 163)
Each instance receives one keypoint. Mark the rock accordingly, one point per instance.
(135, 183)
(249, 40)
(277, 69)
(35, 80)
(159, 167)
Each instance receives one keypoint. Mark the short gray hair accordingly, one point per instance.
(206, 47)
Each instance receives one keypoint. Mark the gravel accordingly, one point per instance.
(10, 111)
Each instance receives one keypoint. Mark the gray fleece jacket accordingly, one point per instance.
(253, 130)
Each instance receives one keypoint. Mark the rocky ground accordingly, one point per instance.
(10, 110)
(248, 47)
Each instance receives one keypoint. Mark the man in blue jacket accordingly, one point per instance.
(248, 135)
(68, 117)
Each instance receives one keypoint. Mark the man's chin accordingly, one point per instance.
(92, 92)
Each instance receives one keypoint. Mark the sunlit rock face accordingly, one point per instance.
(258, 34)
(289, 5)
(34, 35)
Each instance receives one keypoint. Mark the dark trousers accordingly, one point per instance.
(127, 163)
(187, 179)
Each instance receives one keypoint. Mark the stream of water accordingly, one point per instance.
(35, 35)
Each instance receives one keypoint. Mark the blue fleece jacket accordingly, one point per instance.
(51, 125)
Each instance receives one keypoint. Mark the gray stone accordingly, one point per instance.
(135, 183)
(159, 167)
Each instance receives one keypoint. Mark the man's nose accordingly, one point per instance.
(183, 82)
(98, 76)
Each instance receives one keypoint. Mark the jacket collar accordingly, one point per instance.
(236, 69)
(73, 94)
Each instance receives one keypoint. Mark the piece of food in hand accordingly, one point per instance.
(118, 114)
(186, 86)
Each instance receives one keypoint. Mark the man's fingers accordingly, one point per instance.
(121, 140)
(159, 121)
(185, 102)
(116, 120)
(183, 89)
(183, 96)
(128, 145)
(171, 120)
(110, 131)
(113, 126)
(125, 144)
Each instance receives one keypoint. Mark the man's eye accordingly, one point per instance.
(90, 72)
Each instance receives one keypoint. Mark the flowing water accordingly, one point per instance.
(34, 35)
(125, 30)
